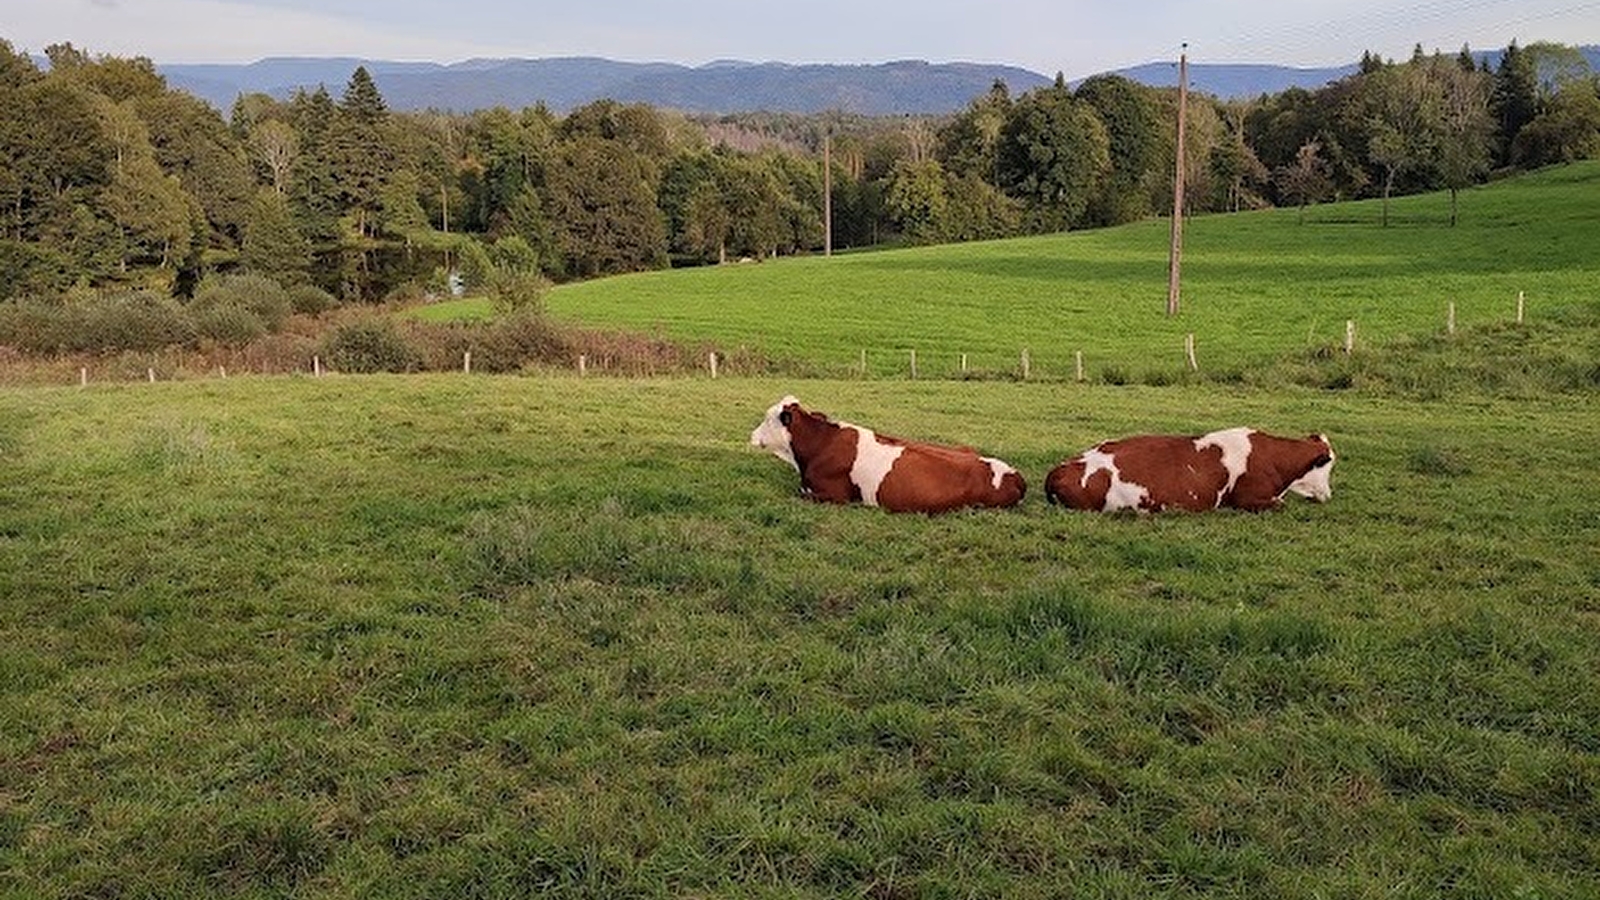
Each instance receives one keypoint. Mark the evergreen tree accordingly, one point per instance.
(272, 245)
(1514, 99)
(313, 189)
(362, 155)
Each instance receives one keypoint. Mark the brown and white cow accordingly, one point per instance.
(1239, 467)
(839, 463)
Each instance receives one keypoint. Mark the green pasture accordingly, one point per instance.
(1256, 286)
(451, 636)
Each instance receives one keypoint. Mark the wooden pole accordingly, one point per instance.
(1188, 350)
(1450, 319)
(1176, 256)
(466, 361)
(223, 371)
(583, 364)
(913, 364)
(152, 373)
(1349, 337)
(1079, 366)
(827, 193)
(316, 366)
(1519, 307)
(713, 361)
(83, 376)
(963, 364)
(1026, 364)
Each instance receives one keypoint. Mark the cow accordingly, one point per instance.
(841, 463)
(1239, 467)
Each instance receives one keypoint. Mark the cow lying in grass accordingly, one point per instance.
(840, 463)
(1240, 467)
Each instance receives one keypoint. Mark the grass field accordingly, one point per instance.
(1257, 287)
(448, 636)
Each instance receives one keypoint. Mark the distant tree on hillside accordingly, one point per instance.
(1306, 181)
(1054, 151)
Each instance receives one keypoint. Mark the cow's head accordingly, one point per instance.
(1314, 483)
(772, 434)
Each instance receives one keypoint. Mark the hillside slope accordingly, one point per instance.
(1256, 286)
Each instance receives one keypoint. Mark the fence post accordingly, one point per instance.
(712, 359)
(963, 364)
(1026, 364)
(1188, 351)
(466, 361)
(1349, 336)
(1450, 319)
(1078, 360)
(83, 376)
(1519, 307)
(223, 371)
(913, 364)
(583, 364)
(316, 366)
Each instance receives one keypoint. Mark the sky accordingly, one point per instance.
(1074, 37)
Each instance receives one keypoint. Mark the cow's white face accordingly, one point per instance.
(1314, 484)
(772, 434)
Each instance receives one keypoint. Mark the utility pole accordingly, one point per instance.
(1177, 187)
(827, 192)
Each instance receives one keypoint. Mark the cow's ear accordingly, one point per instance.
(785, 417)
(1321, 461)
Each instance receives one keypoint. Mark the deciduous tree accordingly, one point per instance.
(1054, 151)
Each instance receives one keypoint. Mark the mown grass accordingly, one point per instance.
(427, 636)
(1257, 286)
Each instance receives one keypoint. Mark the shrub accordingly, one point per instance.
(310, 300)
(33, 326)
(96, 323)
(370, 345)
(512, 292)
(260, 295)
(501, 345)
(231, 325)
(138, 320)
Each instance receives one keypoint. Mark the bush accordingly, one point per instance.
(260, 295)
(137, 320)
(517, 292)
(501, 345)
(310, 300)
(230, 325)
(370, 345)
(95, 323)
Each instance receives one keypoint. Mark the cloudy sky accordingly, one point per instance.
(1075, 37)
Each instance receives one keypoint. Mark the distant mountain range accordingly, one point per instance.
(890, 88)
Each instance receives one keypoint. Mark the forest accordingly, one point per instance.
(109, 178)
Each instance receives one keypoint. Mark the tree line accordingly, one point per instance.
(109, 177)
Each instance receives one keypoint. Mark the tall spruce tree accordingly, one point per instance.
(1514, 100)
(362, 155)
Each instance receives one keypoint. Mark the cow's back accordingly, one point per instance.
(1149, 472)
(934, 478)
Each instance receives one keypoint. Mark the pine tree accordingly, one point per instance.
(1515, 98)
(361, 153)
(272, 245)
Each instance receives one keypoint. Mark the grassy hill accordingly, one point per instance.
(450, 636)
(1257, 286)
